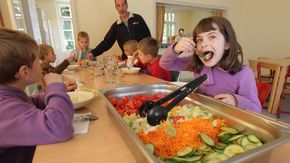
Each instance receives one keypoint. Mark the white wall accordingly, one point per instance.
(263, 30)
(96, 17)
(266, 28)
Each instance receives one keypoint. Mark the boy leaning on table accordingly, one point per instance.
(28, 121)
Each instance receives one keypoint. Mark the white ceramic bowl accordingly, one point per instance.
(73, 67)
(80, 98)
(131, 70)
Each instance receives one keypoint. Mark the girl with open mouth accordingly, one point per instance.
(216, 53)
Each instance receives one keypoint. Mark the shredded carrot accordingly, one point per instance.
(187, 134)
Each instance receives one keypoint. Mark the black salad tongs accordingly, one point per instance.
(157, 113)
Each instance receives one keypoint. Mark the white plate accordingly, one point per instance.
(132, 70)
(80, 98)
(72, 67)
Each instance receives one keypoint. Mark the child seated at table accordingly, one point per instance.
(80, 54)
(27, 121)
(130, 47)
(148, 56)
(47, 56)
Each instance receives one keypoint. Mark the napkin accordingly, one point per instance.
(81, 127)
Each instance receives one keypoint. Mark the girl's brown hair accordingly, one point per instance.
(16, 49)
(232, 60)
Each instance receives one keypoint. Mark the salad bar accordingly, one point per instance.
(199, 128)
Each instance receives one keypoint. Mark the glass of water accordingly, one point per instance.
(111, 68)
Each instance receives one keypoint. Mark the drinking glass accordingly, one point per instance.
(111, 68)
(99, 67)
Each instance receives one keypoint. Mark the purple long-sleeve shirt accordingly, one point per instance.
(242, 84)
(42, 119)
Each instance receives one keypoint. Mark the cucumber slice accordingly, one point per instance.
(150, 147)
(214, 123)
(222, 157)
(240, 140)
(233, 150)
(222, 134)
(254, 139)
(194, 153)
(171, 131)
(211, 156)
(225, 138)
(250, 147)
(206, 139)
(221, 146)
(185, 152)
(229, 130)
(235, 137)
(187, 159)
(205, 148)
(245, 141)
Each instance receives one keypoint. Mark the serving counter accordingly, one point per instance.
(103, 142)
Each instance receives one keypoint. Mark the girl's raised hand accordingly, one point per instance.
(185, 44)
(227, 98)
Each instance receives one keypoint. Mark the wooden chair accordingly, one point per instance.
(257, 66)
(263, 88)
(286, 86)
(269, 75)
(253, 65)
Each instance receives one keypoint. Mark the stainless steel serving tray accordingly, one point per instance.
(271, 132)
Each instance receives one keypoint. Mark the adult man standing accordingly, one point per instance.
(129, 27)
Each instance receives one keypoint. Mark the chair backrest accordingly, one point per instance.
(263, 91)
(253, 65)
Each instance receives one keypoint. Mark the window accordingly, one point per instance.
(169, 27)
(66, 25)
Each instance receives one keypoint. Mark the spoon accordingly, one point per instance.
(207, 55)
(159, 113)
(87, 117)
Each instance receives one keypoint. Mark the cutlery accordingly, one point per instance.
(158, 113)
(86, 117)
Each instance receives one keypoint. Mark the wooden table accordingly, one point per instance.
(103, 143)
(278, 82)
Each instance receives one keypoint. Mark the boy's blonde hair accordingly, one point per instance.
(43, 50)
(16, 49)
(131, 45)
(83, 34)
(149, 46)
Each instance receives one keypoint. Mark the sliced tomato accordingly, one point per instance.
(178, 119)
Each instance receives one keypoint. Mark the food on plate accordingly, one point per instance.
(80, 98)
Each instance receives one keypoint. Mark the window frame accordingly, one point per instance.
(169, 25)
(65, 42)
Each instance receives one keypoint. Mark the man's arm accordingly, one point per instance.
(107, 43)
